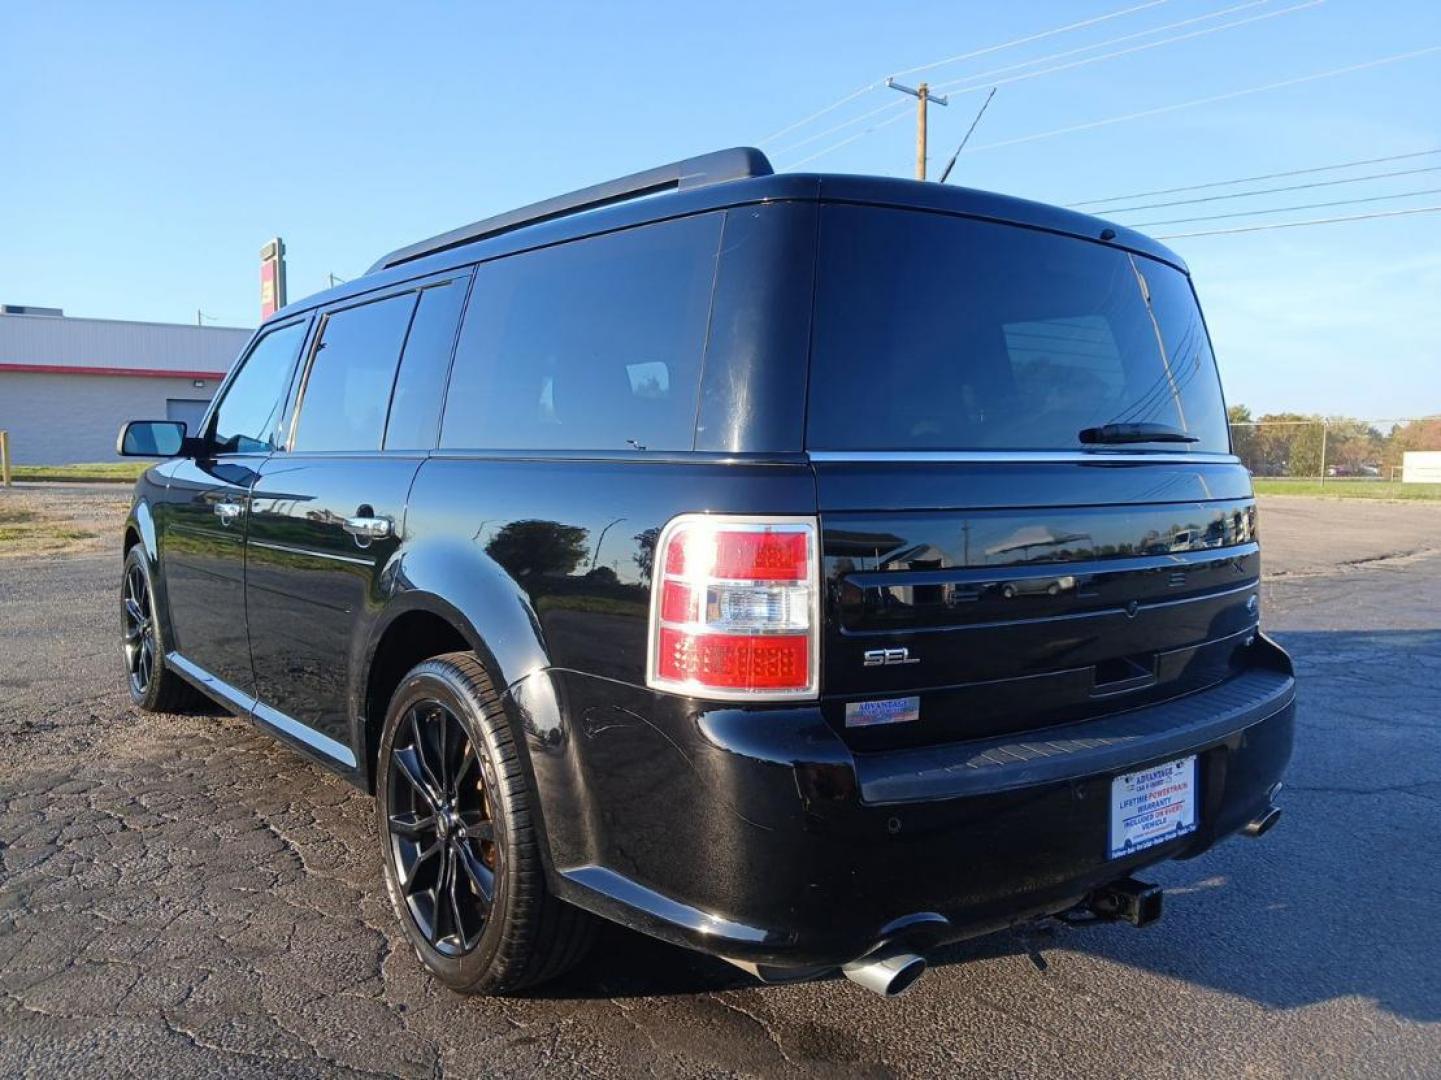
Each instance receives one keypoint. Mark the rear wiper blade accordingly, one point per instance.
(1135, 433)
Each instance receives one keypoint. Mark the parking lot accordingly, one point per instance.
(182, 895)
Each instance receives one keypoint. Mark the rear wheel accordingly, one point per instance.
(461, 855)
(152, 686)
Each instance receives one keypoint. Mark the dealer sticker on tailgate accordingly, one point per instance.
(1152, 806)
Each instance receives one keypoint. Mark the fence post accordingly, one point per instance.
(5, 458)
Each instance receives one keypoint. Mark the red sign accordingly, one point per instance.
(272, 278)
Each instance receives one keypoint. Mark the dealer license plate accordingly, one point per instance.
(1152, 806)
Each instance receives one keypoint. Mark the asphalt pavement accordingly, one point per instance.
(182, 895)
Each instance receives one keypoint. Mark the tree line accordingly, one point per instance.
(1292, 444)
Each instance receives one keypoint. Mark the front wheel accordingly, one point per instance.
(152, 686)
(456, 820)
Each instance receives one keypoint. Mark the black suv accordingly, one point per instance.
(804, 569)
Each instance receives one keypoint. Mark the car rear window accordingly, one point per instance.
(935, 332)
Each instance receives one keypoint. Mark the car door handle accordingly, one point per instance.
(227, 512)
(366, 529)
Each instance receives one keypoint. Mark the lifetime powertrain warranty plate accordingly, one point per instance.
(1152, 806)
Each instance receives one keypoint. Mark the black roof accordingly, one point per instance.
(714, 181)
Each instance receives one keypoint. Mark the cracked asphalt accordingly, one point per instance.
(182, 895)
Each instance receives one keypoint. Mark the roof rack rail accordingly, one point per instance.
(714, 168)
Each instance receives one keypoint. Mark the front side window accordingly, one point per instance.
(347, 389)
(590, 345)
(245, 420)
(935, 332)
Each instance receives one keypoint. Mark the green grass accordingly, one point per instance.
(116, 471)
(49, 534)
(1349, 489)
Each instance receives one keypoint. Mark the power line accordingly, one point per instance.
(1300, 224)
(985, 76)
(1253, 179)
(1228, 96)
(982, 78)
(848, 140)
(889, 106)
(1033, 37)
(1273, 190)
(820, 112)
(1026, 40)
(1138, 48)
(1286, 209)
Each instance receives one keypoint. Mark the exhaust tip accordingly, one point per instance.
(889, 971)
(1265, 823)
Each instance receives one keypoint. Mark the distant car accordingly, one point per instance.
(1050, 586)
(656, 559)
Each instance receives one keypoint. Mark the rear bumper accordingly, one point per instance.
(759, 836)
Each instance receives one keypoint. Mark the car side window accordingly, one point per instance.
(596, 344)
(352, 369)
(246, 418)
(420, 385)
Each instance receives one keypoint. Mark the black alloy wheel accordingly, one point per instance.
(138, 625)
(153, 686)
(442, 832)
(458, 823)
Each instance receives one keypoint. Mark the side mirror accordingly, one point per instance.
(151, 438)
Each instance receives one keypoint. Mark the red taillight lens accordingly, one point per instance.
(734, 661)
(677, 602)
(768, 556)
(734, 613)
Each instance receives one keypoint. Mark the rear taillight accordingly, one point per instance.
(735, 610)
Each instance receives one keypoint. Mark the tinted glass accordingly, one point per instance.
(942, 333)
(420, 386)
(591, 345)
(245, 420)
(348, 388)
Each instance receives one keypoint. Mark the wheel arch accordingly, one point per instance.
(140, 529)
(482, 616)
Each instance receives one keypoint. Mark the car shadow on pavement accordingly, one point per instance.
(1338, 901)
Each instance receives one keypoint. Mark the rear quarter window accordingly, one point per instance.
(935, 332)
(596, 344)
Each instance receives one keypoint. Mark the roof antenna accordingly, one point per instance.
(952, 163)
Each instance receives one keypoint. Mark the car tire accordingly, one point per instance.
(153, 686)
(456, 819)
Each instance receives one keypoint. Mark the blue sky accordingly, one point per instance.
(149, 150)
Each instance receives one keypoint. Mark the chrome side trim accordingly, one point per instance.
(218, 688)
(309, 736)
(662, 908)
(1108, 457)
(287, 549)
(228, 695)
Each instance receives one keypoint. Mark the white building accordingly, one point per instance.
(1421, 467)
(66, 385)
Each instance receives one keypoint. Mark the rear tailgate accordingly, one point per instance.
(1027, 594)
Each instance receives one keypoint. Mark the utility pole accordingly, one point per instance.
(923, 97)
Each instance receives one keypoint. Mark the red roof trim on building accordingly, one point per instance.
(82, 369)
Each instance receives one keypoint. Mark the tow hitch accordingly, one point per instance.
(1127, 900)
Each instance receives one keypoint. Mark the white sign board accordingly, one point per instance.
(1421, 467)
